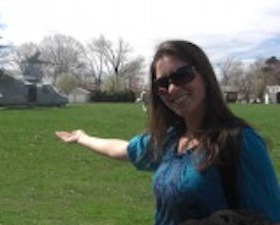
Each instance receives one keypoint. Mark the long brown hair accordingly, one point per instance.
(220, 130)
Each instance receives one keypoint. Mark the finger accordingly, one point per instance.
(62, 134)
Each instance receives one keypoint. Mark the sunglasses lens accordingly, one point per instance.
(161, 83)
(183, 75)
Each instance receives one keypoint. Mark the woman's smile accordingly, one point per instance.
(180, 99)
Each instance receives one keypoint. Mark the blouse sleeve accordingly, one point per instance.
(140, 154)
(258, 187)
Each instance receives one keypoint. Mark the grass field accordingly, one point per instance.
(47, 182)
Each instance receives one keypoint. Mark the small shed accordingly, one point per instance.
(230, 93)
(79, 95)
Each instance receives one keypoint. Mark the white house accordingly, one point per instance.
(79, 95)
(272, 94)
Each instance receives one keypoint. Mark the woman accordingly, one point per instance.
(205, 158)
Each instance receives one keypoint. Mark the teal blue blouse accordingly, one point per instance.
(183, 192)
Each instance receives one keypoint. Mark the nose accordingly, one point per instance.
(172, 89)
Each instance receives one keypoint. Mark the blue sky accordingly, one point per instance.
(242, 29)
(268, 47)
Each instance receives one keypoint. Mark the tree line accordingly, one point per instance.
(65, 62)
(250, 79)
(104, 65)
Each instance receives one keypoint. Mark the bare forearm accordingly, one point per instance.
(113, 148)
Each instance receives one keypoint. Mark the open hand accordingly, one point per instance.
(70, 136)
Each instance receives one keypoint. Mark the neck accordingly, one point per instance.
(193, 122)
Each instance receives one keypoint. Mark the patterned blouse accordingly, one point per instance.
(183, 192)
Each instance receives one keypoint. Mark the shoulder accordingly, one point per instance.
(255, 164)
(258, 185)
(253, 149)
(250, 134)
(141, 151)
(137, 145)
(141, 142)
(252, 143)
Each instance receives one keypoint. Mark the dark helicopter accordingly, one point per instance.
(27, 90)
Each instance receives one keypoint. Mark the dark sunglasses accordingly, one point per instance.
(182, 75)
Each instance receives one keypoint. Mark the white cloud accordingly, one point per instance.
(221, 27)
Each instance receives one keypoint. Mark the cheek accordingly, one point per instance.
(167, 102)
(202, 92)
(200, 95)
(199, 88)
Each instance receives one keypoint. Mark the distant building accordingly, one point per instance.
(230, 93)
(17, 91)
(272, 94)
(79, 95)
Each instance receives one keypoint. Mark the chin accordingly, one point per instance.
(183, 111)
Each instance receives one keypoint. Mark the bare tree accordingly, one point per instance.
(246, 86)
(107, 59)
(20, 55)
(96, 60)
(116, 57)
(231, 72)
(224, 67)
(133, 73)
(252, 81)
(272, 70)
(63, 53)
(257, 79)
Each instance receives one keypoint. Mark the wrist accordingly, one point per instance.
(81, 138)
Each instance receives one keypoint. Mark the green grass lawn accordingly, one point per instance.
(47, 182)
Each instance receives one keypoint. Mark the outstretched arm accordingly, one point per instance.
(112, 148)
